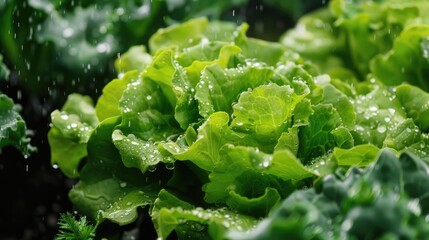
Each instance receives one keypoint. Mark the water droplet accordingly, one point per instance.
(18, 95)
(265, 164)
(68, 32)
(143, 10)
(347, 225)
(169, 166)
(103, 47)
(414, 206)
(373, 108)
(425, 53)
(381, 129)
(120, 11)
(117, 135)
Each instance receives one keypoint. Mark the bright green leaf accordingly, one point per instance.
(70, 132)
(265, 112)
(108, 104)
(107, 189)
(416, 104)
(219, 88)
(135, 58)
(361, 155)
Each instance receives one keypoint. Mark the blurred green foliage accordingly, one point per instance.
(70, 45)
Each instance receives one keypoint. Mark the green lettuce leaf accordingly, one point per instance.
(71, 129)
(248, 172)
(108, 103)
(219, 88)
(146, 111)
(374, 26)
(297, 218)
(288, 140)
(107, 189)
(405, 134)
(296, 75)
(343, 137)
(315, 39)
(386, 118)
(137, 153)
(361, 155)
(316, 139)
(205, 51)
(204, 152)
(375, 202)
(286, 166)
(377, 114)
(416, 104)
(264, 51)
(257, 206)
(186, 109)
(178, 36)
(407, 62)
(135, 58)
(170, 213)
(265, 112)
(193, 70)
(341, 102)
(13, 130)
(143, 102)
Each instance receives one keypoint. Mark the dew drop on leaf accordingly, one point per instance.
(169, 166)
(381, 129)
(151, 168)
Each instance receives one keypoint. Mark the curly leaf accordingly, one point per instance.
(265, 112)
(170, 213)
(13, 130)
(108, 189)
(218, 88)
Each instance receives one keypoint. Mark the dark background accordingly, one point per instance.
(32, 192)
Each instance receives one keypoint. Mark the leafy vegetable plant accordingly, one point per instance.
(13, 130)
(211, 131)
(384, 201)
